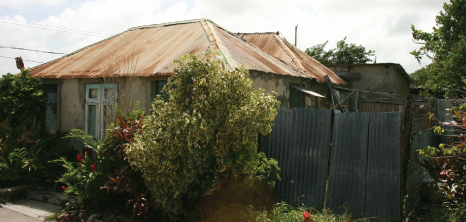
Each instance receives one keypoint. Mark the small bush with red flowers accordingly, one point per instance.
(25, 145)
(109, 180)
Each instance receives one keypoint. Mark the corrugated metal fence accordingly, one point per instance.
(365, 160)
(365, 166)
(299, 142)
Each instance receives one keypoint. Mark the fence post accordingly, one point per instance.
(406, 140)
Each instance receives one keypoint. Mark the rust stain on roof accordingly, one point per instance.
(150, 51)
(281, 49)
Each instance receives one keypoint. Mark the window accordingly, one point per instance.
(101, 99)
(50, 118)
(157, 89)
(296, 97)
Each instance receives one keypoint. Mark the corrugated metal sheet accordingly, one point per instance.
(416, 174)
(299, 142)
(348, 163)
(151, 50)
(281, 49)
(364, 176)
(383, 184)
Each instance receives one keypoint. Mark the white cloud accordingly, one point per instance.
(25, 3)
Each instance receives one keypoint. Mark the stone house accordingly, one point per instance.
(84, 86)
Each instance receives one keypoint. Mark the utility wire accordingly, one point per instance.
(31, 50)
(44, 46)
(60, 16)
(55, 27)
(23, 59)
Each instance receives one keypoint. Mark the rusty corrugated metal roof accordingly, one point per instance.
(281, 49)
(150, 51)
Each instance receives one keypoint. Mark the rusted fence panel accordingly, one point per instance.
(299, 142)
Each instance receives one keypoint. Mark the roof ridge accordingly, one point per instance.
(170, 24)
(217, 44)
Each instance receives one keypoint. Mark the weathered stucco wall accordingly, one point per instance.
(132, 89)
(73, 97)
(72, 108)
(376, 78)
(280, 84)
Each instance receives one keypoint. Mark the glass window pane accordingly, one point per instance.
(92, 116)
(296, 100)
(109, 93)
(93, 93)
(159, 89)
(109, 115)
(50, 91)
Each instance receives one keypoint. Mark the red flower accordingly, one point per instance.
(58, 141)
(63, 187)
(105, 153)
(78, 157)
(58, 131)
(33, 142)
(93, 168)
(306, 216)
(21, 144)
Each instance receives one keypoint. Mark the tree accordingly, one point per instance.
(206, 131)
(446, 47)
(344, 53)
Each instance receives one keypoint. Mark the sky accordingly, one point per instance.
(62, 26)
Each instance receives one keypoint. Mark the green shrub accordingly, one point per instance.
(447, 163)
(25, 146)
(205, 131)
(109, 180)
(285, 212)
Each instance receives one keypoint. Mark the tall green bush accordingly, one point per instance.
(205, 131)
(21, 102)
(25, 145)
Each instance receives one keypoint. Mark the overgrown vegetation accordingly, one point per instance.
(205, 131)
(447, 166)
(286, 212)
(446, 47)
(25, 145)
(109, 181)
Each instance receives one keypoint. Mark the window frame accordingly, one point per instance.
(100, 102)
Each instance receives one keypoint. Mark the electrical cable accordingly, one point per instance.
(55, 27)
(32, 50)
(60, 16)
(23, 59)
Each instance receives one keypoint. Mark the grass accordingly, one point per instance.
(286, 212)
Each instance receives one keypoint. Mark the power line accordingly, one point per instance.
(55, 27)
(23, 59)
(44, 46)
(31, 50)
(60, 16)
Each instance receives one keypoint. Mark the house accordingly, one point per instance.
(84, 86)
(385, 78)
(378, 77)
